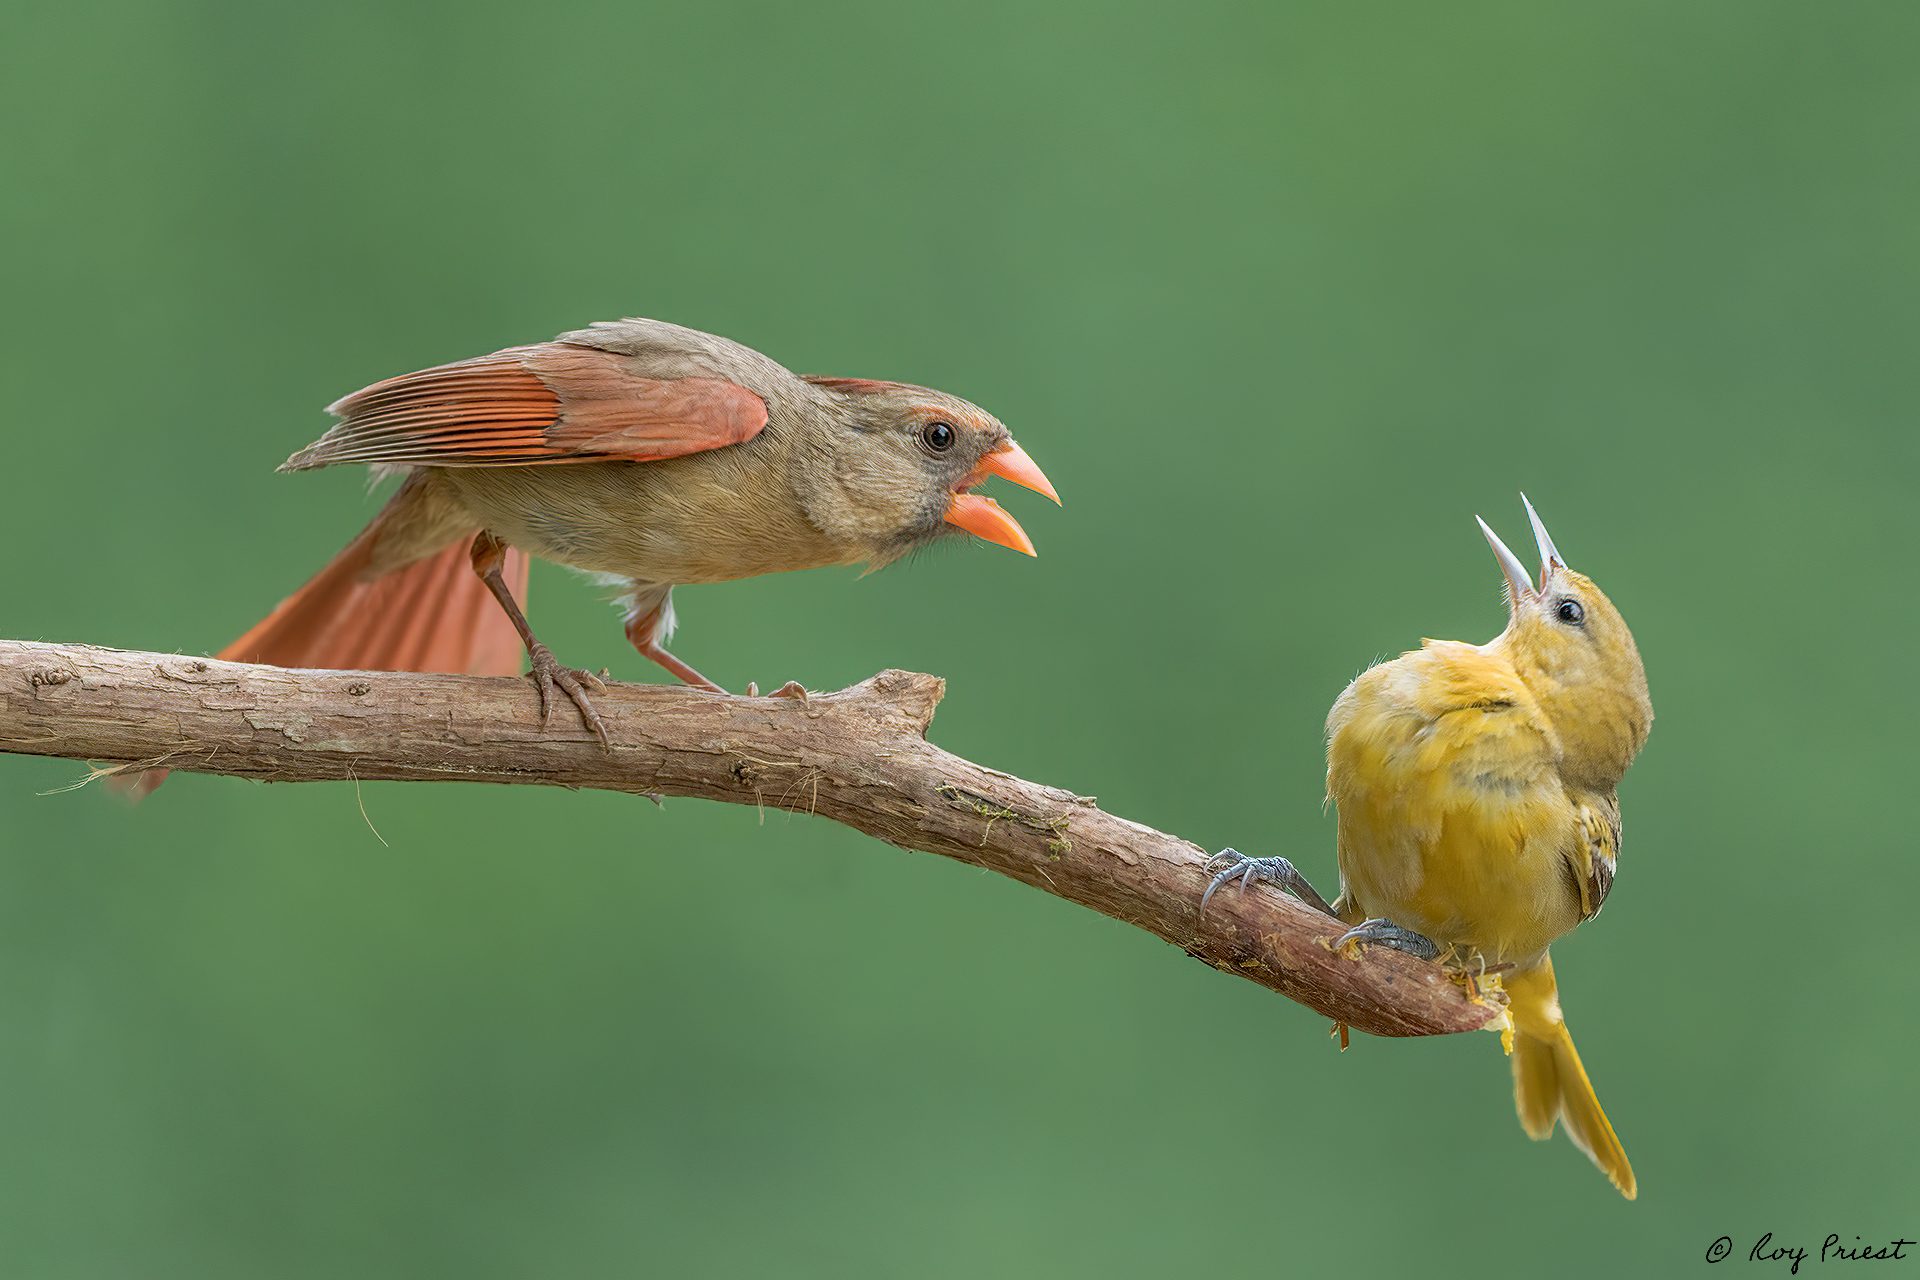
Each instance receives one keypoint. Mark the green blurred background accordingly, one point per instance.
(1280, 295)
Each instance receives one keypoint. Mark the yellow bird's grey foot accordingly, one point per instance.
(1274, 871)
(546, 672)
(1385, 933)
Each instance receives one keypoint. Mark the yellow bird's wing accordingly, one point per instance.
(1591, 859)
(1453, 819)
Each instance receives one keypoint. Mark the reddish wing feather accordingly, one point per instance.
(605, 409)
(528, 405)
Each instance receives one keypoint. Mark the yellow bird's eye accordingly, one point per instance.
(1570, 612)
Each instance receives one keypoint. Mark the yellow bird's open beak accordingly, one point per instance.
(983, 517)
(1519, 582)
(1550, 557)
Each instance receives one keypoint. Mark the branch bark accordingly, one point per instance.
(858, 756)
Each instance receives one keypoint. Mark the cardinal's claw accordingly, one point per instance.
(1274, 871)
(546, 672)
(1385, 933)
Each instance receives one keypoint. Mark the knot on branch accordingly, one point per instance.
(907, 697)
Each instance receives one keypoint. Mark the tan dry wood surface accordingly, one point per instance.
(858, 756)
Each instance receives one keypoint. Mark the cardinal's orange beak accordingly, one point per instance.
(982, 517)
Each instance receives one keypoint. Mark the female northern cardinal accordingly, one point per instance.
(1476, 787)
(635, 449)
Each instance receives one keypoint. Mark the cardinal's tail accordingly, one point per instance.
(1548, 1081)
(402, 596)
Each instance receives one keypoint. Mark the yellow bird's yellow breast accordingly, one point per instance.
(1453, 819)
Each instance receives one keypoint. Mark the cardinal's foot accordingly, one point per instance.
(1275, 871)
(1385, 933)
(547, 672)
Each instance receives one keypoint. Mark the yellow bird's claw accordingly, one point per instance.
(1387, 934)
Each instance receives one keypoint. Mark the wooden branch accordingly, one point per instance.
(859, 757)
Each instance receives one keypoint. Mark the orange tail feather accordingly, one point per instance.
(432, 614)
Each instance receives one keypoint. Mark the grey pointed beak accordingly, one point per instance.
(1519, 583)
(1550, 557)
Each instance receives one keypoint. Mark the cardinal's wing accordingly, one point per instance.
(553, 402)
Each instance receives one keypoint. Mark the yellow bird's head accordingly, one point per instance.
(1573, 649)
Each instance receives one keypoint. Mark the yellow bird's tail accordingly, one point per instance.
(1548, 1081)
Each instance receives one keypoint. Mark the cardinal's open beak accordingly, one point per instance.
(982, 517)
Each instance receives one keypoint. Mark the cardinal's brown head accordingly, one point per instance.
(902, 471)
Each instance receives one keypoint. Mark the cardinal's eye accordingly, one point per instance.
(1570, 613)
(938, 436)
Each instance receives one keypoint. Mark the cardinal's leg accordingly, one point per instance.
(649, 622)
(489, 554)
(1274, 871)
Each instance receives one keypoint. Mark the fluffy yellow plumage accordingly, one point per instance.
(1475, 790)
(1475, 786)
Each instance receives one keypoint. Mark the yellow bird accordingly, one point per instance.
(1475, 786)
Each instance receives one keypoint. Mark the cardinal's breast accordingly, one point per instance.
(708, 517)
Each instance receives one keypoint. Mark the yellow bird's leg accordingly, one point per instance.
(1468, 968)
(1461, 964)
(1274, 871)
(1385, 933)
